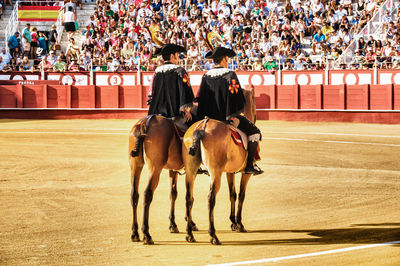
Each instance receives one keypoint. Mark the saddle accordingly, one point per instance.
(240, 139)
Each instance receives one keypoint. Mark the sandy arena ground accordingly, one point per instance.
(65, 198)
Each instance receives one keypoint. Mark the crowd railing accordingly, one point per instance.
(60, 27)
(360, 62)
(12, 24)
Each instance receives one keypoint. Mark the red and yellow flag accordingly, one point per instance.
(38, 13)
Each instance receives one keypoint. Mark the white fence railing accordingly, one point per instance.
(12, 25)
(372, 27)
(60, 26)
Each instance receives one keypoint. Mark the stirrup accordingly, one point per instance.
(254, 169)
(203, 172)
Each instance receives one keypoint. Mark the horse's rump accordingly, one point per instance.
(218, 149)
(156, 139)
(138, 132)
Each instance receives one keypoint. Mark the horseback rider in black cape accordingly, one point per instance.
(221, 98)
(171, 93)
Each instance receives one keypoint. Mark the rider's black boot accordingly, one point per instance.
(250, 168)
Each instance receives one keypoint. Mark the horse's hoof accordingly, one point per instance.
(190, 239)
(173, 229)
(234, 227)
(215, 241)
(135, 237)
(148, 241)
(240, 228)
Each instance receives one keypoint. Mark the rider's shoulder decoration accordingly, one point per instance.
(217, 72)
(166, 68)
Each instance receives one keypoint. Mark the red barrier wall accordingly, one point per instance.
(82, 96)
(396, 97)
(381, 97)
(107, 97)
(8, 96)
(58, 96)
(35, 96)
(293, 97)
(333, 97)
(130, 96)
(304, 102)
(287, 97)
(310, 97)
(357, 97)
(265, 97)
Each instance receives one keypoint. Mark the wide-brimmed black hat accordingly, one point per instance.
(170, 48)
(219, 52)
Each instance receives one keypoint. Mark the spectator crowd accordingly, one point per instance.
(265, 34)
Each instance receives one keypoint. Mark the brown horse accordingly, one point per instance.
(219, 154)
(154, 140)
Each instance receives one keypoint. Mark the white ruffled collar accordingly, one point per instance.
(165, 68)
(216, 72)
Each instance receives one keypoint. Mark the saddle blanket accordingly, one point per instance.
(240, 139)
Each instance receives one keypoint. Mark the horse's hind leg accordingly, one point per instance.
(232, 196)
(215, 186)
(192, 164)
(136, 169)
(173, 228)
(190, 206)
(148, 198)
(243, 185)
(190, 177)
(194, 226)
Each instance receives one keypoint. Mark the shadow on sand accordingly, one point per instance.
(367, 234)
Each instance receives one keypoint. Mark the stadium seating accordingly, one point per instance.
(292, 35)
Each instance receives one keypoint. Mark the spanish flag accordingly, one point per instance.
(38, 13)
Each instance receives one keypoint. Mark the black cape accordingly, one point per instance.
(171, 91)
(220, 95)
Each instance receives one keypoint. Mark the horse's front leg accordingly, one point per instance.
(136, 169)
(243, 185)
(232, 196)
(148, 198)
(173, 228)
(215, 186)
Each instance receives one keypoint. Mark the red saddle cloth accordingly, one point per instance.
(237, 139)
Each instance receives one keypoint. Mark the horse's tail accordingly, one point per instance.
(140, 133)
(198, 135)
